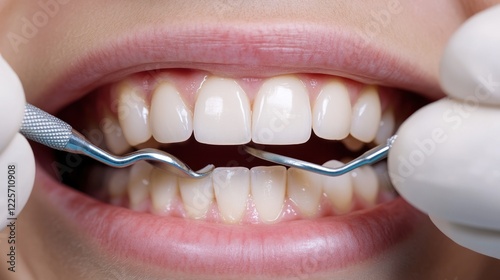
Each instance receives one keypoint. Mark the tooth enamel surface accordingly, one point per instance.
(133, 114)
(339, 189)
(232, 187)
(197, 196)
(163, 190)
(139, 183)
(281, 112)
(332, 112)
(366, 115)
(268, 185)
(118, 182)
(352, 144)
(304, 190)
(222, 113)
(113, 135)
(365, 183)
(386, 128)
(171, 120)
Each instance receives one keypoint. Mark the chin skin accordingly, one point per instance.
(49, 247)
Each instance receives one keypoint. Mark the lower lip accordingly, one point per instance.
(293, 248)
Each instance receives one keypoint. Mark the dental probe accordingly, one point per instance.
(54, 133)
(370, 157)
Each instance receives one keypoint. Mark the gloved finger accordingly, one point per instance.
(486, 242)
(17, 175)
(446, 162)
(12, 102)
(470, 66)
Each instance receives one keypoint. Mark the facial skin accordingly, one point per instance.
(49, 248)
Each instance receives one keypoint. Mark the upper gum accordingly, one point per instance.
(188, 82)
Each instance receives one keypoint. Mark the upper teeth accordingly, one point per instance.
(283, 111)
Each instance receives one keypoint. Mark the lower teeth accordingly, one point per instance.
(238, 195)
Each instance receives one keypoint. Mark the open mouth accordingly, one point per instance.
(248, 217)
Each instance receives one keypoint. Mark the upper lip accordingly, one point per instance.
(243, 50)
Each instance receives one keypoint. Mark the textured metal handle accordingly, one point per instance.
(44, 128)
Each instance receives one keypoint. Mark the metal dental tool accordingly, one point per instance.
(52, 132)
(370, 157)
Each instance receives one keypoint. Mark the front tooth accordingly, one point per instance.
(232, 186)
(268, 185)
(332, 112)
(304, 189)
(386, 127)
(281, 112)
(140, 175)
(163, 190)
(118, 182)
(365, 183)
(366, 115)
(171, 120)
(197, 196)
(339, 189)
(222, 113)
(133, 114)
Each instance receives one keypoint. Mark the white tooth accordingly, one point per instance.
(232, 186)
(113, 135)
(268, 185)
(365, 183)
(304, 189)
(133, 114)
(118, 182)
(352, 143)
(197, 196)
(332, 112)
(366, 115)
(339, 189)
(386, 128)
(222, 113)
(282, 112)
(163, 190)
(171, 120)
(140, 175)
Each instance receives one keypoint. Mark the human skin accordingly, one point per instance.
(50, 247)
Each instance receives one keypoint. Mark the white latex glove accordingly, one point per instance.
(446, 159)
(17, 163)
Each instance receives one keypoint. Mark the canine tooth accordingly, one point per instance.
(332, 112)
(231, 186)
(339, 189)
(282, 112)
(113, 135)
(386, 127)
(171, 120)
(366, 115)
(133, 114)
(163, 190)
(138, 184)
(197, 196)
(268, 185)
(365, 183)
(304, 189)
(222, 113)
(352, 143)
